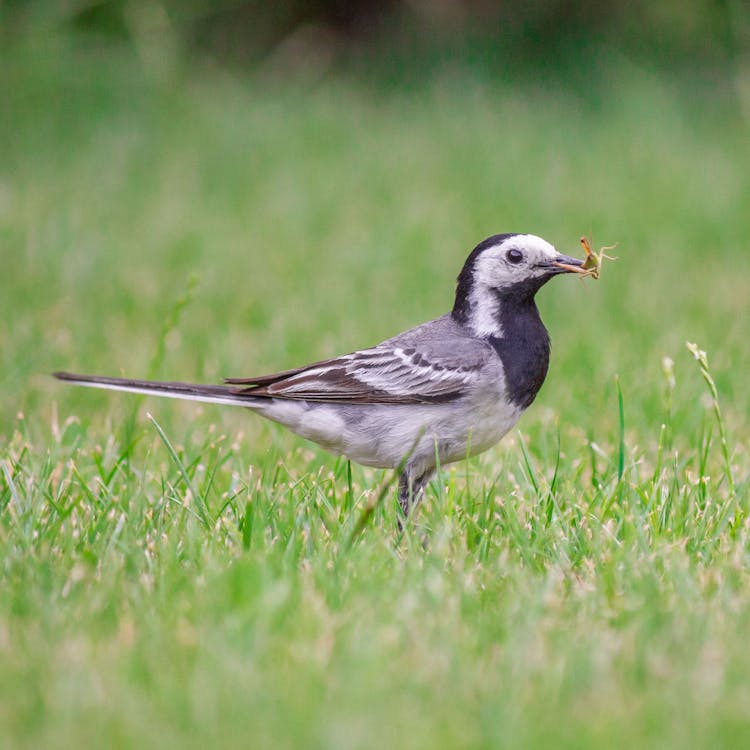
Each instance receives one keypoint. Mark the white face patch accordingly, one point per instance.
(513, 261)
(495, 267)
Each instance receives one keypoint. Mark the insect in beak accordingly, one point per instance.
(592, 263)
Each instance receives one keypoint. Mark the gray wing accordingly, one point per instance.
(433, 363)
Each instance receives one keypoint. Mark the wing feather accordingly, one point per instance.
(385, 374)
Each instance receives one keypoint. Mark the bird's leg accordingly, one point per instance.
(411, 488)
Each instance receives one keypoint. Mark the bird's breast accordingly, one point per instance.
(523, 350)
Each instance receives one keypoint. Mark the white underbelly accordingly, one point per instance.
(383, 435)
(424, 432)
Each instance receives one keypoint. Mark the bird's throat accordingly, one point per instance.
(523, 346)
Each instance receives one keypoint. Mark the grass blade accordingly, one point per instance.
(202, 510)
(621, 442)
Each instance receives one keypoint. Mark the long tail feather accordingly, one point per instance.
(214, 394)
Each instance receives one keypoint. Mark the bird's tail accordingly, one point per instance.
(214, 394)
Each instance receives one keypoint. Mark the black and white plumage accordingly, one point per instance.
(445, 390)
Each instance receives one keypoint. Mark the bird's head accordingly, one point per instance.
(502, 272)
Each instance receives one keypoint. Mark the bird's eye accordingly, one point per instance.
(514, 256)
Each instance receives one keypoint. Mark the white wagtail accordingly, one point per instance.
(439, 392)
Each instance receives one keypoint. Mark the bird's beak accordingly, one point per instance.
(567, 264)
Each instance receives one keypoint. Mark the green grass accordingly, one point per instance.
(195, 578)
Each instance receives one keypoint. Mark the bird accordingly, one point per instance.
(430, 396)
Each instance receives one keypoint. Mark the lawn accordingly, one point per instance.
(178, 575)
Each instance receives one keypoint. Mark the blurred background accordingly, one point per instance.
(197, 189)
(300, 34)
(191, 190)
